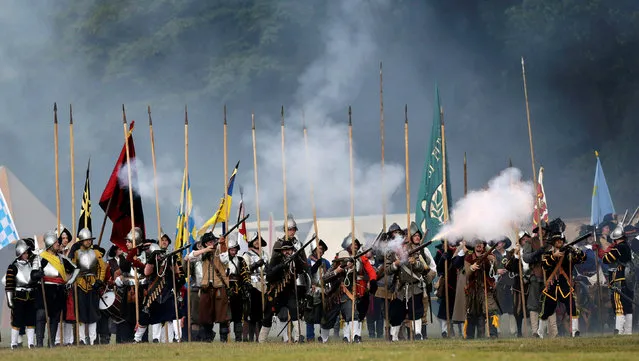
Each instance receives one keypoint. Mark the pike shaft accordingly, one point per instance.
(257, 206)
(284, 178)
(445, 200)
(352, 176)
(128, 166)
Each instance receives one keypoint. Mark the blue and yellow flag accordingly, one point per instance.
(185, 230)
(434, 197)
(223, 211)
(601, 200)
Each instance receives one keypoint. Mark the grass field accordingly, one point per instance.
(585, 348)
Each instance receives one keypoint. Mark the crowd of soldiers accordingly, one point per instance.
(77, 293)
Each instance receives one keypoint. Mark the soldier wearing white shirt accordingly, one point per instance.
(256, 263)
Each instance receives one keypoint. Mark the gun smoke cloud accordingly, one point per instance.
(326, 88)
(491, 213)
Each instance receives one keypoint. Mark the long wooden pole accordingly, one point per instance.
(57, 194)
(155, 173)
(465, 175)
(412, 324)
(314, 209)
(257, 206)
(381, 131)
(73, 229)
(128, 167)
(352, 176)
(445, 200)
(106, 214)
(187, 205)
(284, 175)
(226, 171)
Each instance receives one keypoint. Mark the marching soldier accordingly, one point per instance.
(134, 266)
(239, 286)
(622, 281)
(366, 278)
(255, 262)
(556, 263)
(21, 285)
(318, 266)
(67, 336)
(479, 268)
(282, 271)
(89, 283)
(410, 274)
(58, 273)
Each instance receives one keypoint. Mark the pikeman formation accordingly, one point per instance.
(68, 290)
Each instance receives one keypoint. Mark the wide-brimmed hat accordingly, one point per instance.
(255, 237)
(284, 245)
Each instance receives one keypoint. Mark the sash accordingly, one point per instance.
(54, 260)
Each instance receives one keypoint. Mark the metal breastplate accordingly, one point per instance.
(23, 276)
(198, 273)
(234, 264)
(87, 262)
(50, 271)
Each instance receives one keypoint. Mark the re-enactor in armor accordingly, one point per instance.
(21, 285)
(239, 286)
(89, 282)
(256, 264)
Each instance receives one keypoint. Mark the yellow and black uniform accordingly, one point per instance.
(89, 281)
(620, 254)
(558, 287)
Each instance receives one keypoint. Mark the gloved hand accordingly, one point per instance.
(316, 266)
(372, 286)
(257, 265)
(37, 275)
(98, 284)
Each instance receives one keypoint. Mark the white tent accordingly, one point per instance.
(31, 218)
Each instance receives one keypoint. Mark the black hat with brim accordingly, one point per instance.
(284, 245)
(264, 244)
(112, 251)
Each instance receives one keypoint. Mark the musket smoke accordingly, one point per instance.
(492, 213)
(326, 87)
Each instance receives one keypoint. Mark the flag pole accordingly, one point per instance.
(257, 206)
(594, 236)
(155, 174)
(74, 230)
(412, 324)
(315, 228)
(445, 200)
(128, 166)
(465, 175)
(106, 213)
(226, 171)
(381, 131)
(532, 150)
(186, 182)
(352, 176)
(284, 176)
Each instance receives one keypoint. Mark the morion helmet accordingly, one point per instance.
(50, 239)
(21, 247)
(85, 235)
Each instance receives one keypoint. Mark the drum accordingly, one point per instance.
(110, 303)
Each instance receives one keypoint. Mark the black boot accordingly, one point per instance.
(224, 333)
(251, 332)
(424, 332)
(237, 329)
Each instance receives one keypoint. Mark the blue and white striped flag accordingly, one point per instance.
(8, 232)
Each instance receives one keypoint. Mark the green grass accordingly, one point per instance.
(585, 348)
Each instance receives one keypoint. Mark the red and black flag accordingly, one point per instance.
(115, 198)
(85, 210)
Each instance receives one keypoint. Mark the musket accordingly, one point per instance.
(618, 290)
(412, 252)
(563, 249)
(294, 255)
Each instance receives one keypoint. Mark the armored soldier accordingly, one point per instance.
(556, 263)
(67, 336)
(21, 285)
(622, 281)
(282, 272)
(134, 267)
(89, 283)
(410, 273)
(59, 272)
(314, 308)
(480, 292)
(417, 238)
(256, 263)
(239, 286)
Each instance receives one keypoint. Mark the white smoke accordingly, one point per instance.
(394, 245)
(492, 213)
(326, 87)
